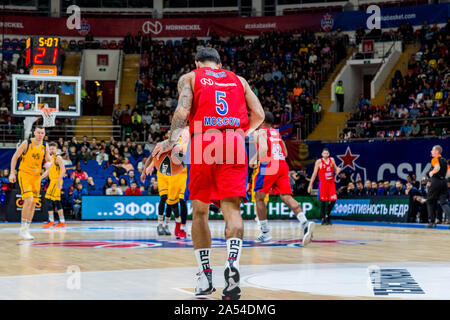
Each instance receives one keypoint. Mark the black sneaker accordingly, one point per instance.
(329, 221)
(324, 222)
(232, 291)
(204, 283)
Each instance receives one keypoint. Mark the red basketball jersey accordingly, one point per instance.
(274, 145)
(219, 101)
(326, 172)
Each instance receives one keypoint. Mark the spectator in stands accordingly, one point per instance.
(413, 179)
(85, 143)
(117, 113)
(381, 188)
(388, 190)
(73, 154)
(373, 189)
(102, 156)
(133, 190)
(405, 129)
(79, 173)
(108, 184)
(126, 166)
(414, 201)
(90, 185)
(360, 191)
(123, 184)
(399, 189)
(367, 186)
(351, 189)
(415, 128)
(77, 196)
(114, 190)
(153, 189)
(84, 155)
(66, 159)
(74, 143)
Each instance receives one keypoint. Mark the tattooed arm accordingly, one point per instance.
(181, 115)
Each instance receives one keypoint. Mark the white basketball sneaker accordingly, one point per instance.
(308, 228)
(204, 283)
(25, 235)
(264, 237)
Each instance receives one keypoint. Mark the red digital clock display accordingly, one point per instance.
(42, 51)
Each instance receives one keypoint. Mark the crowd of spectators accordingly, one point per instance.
(285, 70)
(418, 103)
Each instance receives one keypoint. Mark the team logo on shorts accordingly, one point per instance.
(173, 243)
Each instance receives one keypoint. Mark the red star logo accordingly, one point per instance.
(348, 158)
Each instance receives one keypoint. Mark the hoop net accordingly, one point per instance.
(48, 116)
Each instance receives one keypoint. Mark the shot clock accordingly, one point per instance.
(42, 55)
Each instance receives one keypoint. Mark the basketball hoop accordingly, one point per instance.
(48, 116)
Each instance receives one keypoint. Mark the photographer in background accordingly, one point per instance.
(299, 182)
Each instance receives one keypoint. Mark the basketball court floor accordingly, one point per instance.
(127, 260)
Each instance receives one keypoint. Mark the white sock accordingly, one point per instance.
(202, 256)
(61, 218)
(234, 249)
(24, 224)
(166, 221)
(178, 220)
(51, 217)
(160, 220)
(264, 226)
(301, 217)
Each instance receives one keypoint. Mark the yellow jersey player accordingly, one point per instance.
(173, 187)
(32, 152)
(56, 173)
(176, 189)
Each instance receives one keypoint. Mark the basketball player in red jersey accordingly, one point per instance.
(327, 169)
(273, 173)
(222, 110)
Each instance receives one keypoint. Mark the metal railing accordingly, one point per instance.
(14, 133)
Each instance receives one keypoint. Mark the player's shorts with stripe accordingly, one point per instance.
(278, 182)
(30, 185)
(217, 167)
(176, 188)
(327, 191)
(53, 192)
(163, 183)
(266, 198)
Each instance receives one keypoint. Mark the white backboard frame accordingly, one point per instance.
(35, 112)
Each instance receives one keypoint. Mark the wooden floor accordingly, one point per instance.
(127, 260)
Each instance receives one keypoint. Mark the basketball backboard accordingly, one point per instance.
(30, 93)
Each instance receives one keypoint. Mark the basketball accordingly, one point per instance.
(171, 162)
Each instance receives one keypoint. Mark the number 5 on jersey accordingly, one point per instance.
(221, 104)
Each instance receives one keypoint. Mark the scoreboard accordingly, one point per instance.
(43, 55)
